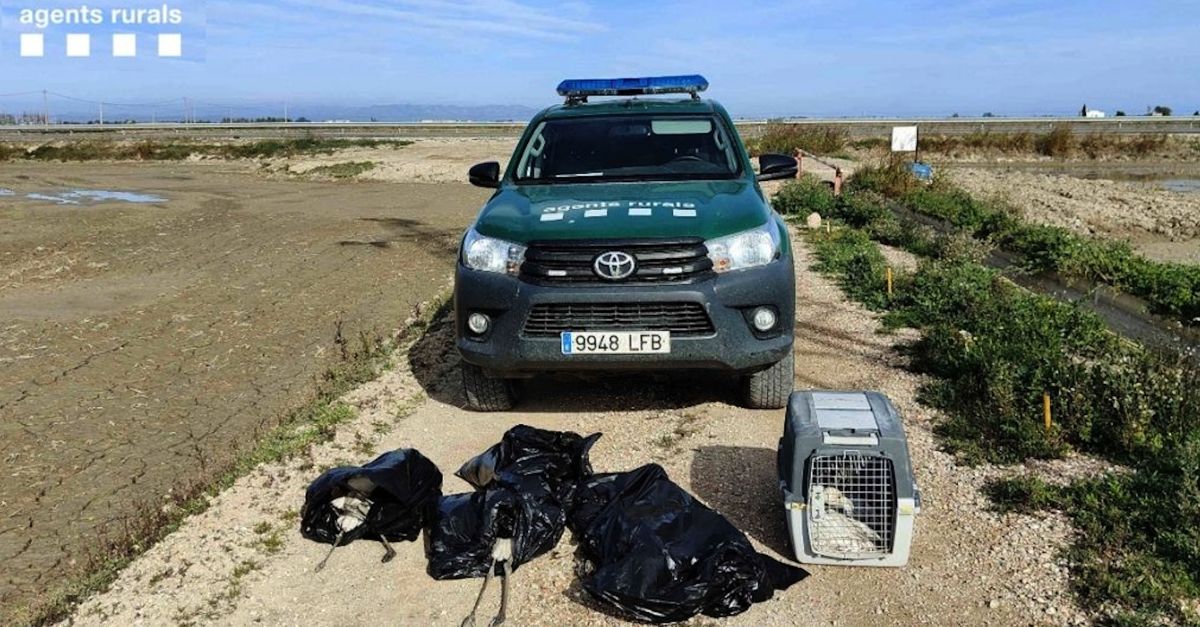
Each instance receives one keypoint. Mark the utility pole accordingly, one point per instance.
(186, 111)
(285, 113)
(45, 108)
(101, 114)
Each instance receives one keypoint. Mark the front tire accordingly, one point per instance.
(484, 392)
(770, 388)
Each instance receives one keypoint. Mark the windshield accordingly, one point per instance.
(628, 148)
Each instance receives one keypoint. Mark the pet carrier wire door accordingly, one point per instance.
(846, 480)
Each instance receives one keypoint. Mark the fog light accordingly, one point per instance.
(478, 323)
(763, 319)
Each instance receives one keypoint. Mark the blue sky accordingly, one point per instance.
(797, 57)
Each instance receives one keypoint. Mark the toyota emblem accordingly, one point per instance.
(614, 265)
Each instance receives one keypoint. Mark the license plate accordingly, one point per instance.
(615, 342)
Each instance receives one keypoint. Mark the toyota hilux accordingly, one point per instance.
(628, 233)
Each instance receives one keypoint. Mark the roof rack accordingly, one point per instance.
(576, 91)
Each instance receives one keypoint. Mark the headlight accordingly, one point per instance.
(756, 247)
(489, 254)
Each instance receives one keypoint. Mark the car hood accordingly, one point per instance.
(706, 209)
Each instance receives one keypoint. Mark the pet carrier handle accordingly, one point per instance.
(849, 438)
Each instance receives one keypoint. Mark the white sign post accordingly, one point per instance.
(904, 139)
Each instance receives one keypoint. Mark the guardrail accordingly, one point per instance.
(856, 127)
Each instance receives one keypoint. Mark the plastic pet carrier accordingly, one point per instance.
(847, 482)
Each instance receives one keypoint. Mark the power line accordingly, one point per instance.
(150, 108)
(115, 104)
(20, 93)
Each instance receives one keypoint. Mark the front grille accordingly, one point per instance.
(681, 319)
(570, 262)
(852, 505)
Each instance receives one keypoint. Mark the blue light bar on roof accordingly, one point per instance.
(582, 88)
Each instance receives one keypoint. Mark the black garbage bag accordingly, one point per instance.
(463, 539)
(559, 457)
(392, 498)
(662, 556)
(524, 485)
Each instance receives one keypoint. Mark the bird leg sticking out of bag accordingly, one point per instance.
(352, 512)
(501, 554)
(389, 551)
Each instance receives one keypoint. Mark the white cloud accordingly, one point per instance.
(470, 18)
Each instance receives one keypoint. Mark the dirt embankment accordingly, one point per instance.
(141, 345)
(1162, 224)
(243, 562)
(425, 160)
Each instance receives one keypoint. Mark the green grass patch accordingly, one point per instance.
(804, 196)
(855, 261)
(346, 170)
(992, 350)
(1136, 545)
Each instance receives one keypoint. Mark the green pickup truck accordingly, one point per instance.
(627, 234)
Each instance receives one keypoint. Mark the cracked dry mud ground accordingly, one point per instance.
(970, 566)
(140, 345)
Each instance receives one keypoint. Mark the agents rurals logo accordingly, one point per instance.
(94, 16)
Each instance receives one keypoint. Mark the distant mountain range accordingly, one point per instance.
(418, 113)
(203, 112)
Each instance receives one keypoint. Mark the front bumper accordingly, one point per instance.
(505, 351)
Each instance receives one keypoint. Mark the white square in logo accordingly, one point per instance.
(79, 45)
(124, 45)
(170, 45)
(33, 45)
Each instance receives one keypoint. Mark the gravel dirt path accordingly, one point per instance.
(243, 562)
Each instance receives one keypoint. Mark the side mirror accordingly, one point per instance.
(773, 167)
(486, 174)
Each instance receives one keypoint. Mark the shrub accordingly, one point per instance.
(890, 178)
(979, 141)
(786, 138)
(1057, 143)
(862, 208)
(803, 196)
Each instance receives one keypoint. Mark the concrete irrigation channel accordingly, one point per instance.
(1125, 314)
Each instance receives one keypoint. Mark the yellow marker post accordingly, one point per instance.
(1046, 410)
(889, 281)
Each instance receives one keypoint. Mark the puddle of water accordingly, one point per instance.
(7, 192)
(99, 195)
(1183, 186)
(58, 200)
(77, 196)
